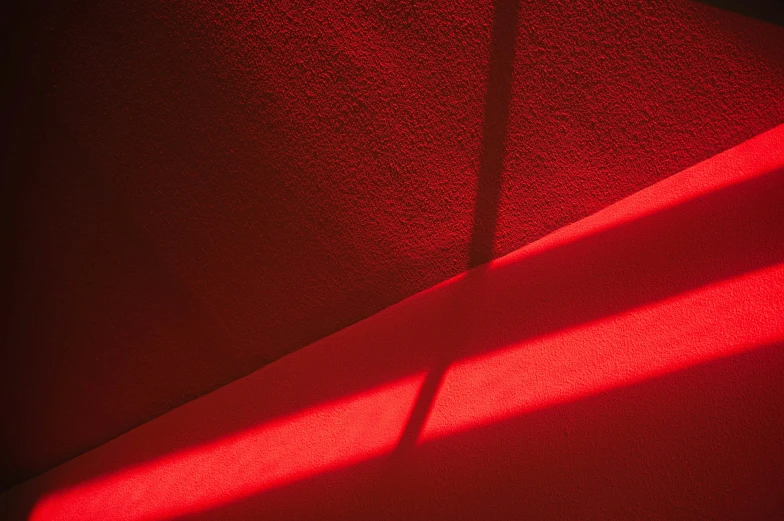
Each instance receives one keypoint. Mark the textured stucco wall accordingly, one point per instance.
(198, 189)
(627, 366)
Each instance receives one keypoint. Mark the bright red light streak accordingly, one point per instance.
(712, 322)
(327, 437)
(748, 160)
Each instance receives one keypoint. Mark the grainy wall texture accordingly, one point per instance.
(194, 189)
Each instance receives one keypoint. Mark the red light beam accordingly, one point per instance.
(324, 438)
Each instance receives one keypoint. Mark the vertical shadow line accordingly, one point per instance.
(491, 156)
(494, 130)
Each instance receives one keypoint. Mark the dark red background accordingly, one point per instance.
(193, 191)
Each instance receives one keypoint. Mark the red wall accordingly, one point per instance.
(627, 366)
(196, 190)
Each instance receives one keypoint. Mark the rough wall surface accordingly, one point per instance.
(197, 189)
(627, 366)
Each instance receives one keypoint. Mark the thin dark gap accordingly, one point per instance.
(421, 410)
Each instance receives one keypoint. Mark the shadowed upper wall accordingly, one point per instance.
(196, 190)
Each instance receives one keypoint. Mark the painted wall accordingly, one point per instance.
(627, 366)
(196, 189)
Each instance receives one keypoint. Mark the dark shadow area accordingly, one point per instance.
(702, 443)
(494, 131)
(771, 11)
(26, 110)
(148, 296)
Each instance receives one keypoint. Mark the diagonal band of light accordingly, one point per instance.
(716, 320)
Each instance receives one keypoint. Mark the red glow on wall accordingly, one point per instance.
(717, 321)
(324, 438)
